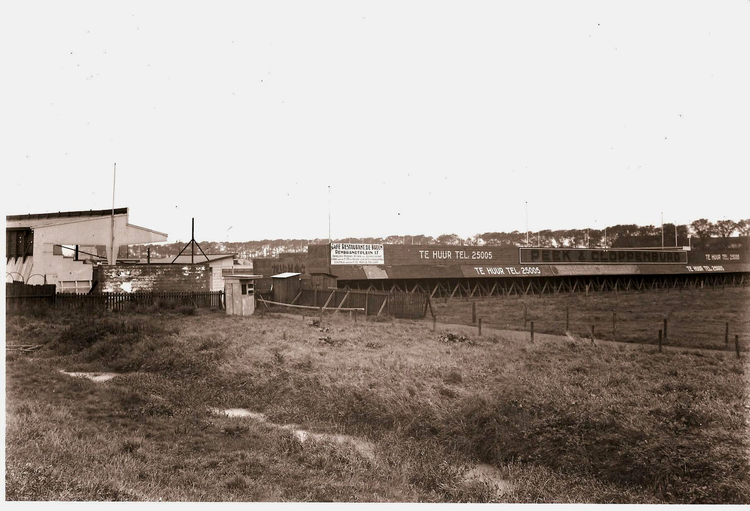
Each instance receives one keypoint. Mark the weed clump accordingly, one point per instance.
(237, 483)
(85, 333)
(451, 337)
(379, 319)
(453, 377)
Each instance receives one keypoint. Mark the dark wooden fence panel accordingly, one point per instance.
(119, 301)
(21, 289)
(19, 295)
(408, 305)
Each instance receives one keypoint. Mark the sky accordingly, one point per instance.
(422, 117)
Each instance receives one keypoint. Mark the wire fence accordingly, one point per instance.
(687, 326)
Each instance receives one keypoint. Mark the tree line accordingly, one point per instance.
(615, 236)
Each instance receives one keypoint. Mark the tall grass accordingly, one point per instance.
(567, 421)
(695, 318)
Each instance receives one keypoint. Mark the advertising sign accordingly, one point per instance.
(597, 256)
(357, 253)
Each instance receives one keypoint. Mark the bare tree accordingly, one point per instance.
(725, 228)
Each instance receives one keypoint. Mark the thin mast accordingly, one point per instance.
(112, 255)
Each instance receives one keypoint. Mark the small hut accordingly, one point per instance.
(322, 281)
(239, 293)
(286, 286)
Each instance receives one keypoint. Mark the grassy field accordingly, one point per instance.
(564, 421)
(695, 318)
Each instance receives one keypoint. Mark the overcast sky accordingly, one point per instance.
(422, 117)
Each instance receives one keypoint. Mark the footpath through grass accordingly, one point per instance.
(695, 318)
(563, 420)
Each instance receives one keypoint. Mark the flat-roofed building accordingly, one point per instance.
(62, 248)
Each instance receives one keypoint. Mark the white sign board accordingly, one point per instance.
(356, 253)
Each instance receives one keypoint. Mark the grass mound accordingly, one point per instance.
(135, 343)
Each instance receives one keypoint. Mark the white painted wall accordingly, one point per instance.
(217, 279)
(78, 231)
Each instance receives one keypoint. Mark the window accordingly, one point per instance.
(19, 242)
(247, 289)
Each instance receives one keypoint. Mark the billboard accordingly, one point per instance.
(357, 253)
(597, 256)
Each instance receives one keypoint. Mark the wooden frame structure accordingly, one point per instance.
(521, 286)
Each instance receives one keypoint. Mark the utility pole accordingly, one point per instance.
(112, 255)
(662, 229)
(329, 214)
(527, 223)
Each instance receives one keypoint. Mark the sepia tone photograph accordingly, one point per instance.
(376, 252)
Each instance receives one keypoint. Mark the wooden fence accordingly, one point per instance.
(18, 294)
(373, 303)
(118, 301)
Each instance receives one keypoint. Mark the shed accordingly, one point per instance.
(323, 281)
(239, 292)
(286, 286)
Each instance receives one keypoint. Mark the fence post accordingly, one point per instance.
(434, 323)
(480, 327)
(473, 312)
(614, 325)
(321, 317)
(367, 303)
(737, 344)
(665, 329)
(659, 341)
(567, 319)
(532, 331)
(726, 334)
(593, 334)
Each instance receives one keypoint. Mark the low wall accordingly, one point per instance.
(130, 278)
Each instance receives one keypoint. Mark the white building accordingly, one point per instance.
(61, 248)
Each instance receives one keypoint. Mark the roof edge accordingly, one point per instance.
(67, 214)
(148, 230)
